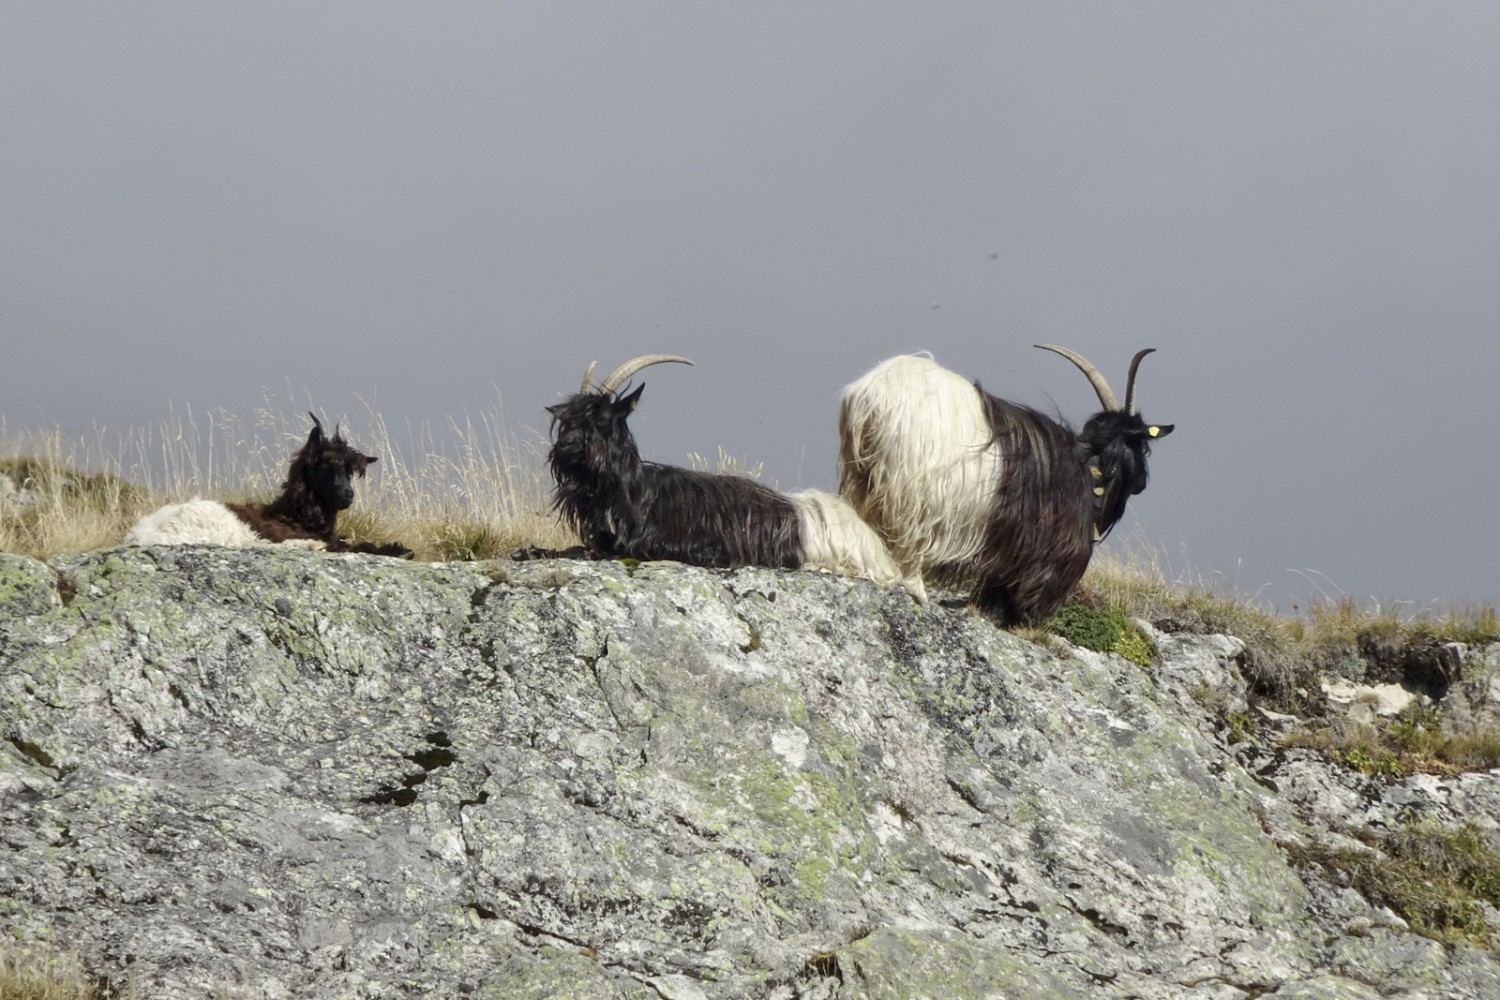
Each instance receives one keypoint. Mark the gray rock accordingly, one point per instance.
(293, 774)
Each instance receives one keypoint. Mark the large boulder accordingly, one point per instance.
(291, 774)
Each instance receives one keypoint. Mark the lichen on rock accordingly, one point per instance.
(301, 774)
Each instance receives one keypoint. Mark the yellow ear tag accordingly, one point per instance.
(1098, 491)
(1153, 430)
(1098, 472)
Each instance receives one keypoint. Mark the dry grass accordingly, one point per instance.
(41, 972)
(1287, 654)
(472, 491)
(1438, 881)
(476, 492)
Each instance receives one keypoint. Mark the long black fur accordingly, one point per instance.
(319, 483)
(622, 506)
(1040, 533)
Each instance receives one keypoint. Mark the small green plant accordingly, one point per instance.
(1087, 627)
(1239, 725)
(1104, 629)
(1410, 743)
(1376, 762)
(1134, 646)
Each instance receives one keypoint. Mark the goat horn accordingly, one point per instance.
(617, 378)
(588, 377)
(1135, 363)
(1096, 379)
(316, 422)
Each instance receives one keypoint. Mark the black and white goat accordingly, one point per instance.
(319, 484)
(621, 505)
(977, 489)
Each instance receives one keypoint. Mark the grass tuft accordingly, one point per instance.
(1102, 628)
(1434, 879)
(1287, 655)
(1411, 743)
(41, 972)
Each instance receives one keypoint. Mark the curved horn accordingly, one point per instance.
(1135, 363)
(1106, 395)
(317, 424)
(617, 378)
(588, 376)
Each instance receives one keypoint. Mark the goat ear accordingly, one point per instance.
(628, 403)
(1159, 430)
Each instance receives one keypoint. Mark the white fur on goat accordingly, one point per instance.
(835, 540)
(195, 522)
(917, 456)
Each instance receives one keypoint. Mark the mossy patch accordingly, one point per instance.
(28, 587)
(1102, 628)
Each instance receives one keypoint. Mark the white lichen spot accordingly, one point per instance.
(449, 845)
(885, 823)
(791, 746)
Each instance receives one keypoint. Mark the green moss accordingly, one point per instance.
(28, 587)
(1104, 629)
(1091, 628)
(1134, 646)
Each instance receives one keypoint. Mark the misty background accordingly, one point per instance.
(440, 209)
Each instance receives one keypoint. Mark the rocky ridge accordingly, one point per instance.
(287, 774)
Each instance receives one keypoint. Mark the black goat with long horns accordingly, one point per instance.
(623, 506)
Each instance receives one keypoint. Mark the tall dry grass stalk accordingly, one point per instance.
(42, 972)
(473, 490)
(476, 492)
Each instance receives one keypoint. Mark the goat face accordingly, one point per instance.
(1114, 446)
(329, 466)
(591, 438)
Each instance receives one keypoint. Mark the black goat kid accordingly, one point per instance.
(319, 483)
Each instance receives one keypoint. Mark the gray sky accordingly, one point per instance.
(431, 206)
